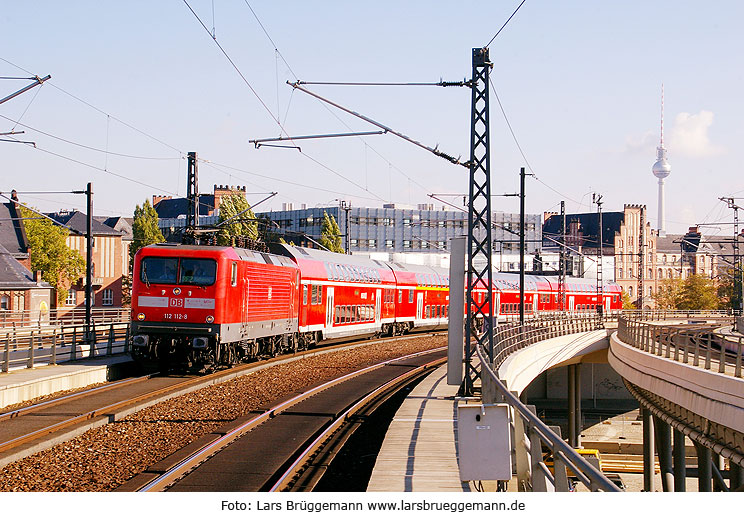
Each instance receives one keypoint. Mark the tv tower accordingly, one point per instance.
(661, 170)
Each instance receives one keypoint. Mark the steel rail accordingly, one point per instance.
(67, 398)
(169, 391)
(294, 469)
(186, 465)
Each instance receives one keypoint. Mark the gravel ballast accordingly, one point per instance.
(104, 458)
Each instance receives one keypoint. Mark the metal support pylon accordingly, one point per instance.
(480, 272)
(192, 198)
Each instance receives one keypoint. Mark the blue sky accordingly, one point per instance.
(579, 81)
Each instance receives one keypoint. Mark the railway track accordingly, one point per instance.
(288, 446)
(34, 428)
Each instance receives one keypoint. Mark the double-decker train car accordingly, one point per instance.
(208, 306)
(422, 298)
(342, 296)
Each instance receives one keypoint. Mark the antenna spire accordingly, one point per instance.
(662, 115)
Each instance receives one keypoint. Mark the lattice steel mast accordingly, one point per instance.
(480, 271)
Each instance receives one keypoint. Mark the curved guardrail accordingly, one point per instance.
(693, 344)
(532, 438)
(535, 440)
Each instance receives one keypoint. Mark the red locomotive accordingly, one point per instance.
(208, 306)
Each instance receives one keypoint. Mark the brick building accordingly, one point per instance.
(23, 295)
(110, 260)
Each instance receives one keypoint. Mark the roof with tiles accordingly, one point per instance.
(175, 207)
(78, 222)
(12, 233)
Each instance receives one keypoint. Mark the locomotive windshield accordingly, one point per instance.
(181, 271)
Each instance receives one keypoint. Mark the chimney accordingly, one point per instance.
(37, 276)
(158, 199)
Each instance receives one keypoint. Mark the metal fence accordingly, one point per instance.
(695, 344)
(60, 316)
(534, 441)
(43, 345)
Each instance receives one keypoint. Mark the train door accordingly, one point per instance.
(329, 308)
(378, 305)
(571, 303)
(420, 305)
(608, 303)
(535, 303)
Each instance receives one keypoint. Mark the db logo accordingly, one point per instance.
(176, 302)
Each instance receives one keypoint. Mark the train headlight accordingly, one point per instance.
(210, 319)
(176, 291)
(140, 316)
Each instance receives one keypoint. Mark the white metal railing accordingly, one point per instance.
(694, 344)
(48, 345)
(59, 317)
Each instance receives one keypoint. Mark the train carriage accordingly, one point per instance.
(342, 296)
(422, 297)
(208, 306)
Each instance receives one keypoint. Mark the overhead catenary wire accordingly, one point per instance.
(88, 147)
(122, 176)
(279, 53)
(507, 21)
(434, 150)
(521, 151)
(101, 111)
(266, 107)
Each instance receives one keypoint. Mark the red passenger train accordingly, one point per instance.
(209, 306)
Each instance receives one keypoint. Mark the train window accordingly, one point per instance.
(159, 270)
(200, 272)
(357, 313)
(329, 271)
(336, 315)
(304, 294)
(320, 294)
(400, 296)
(410, 296)
(234, 274)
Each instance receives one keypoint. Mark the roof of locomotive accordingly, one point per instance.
(240, 253)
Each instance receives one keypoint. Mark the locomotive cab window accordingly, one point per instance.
(159, 270)
(201, 272)
(234, 274)
(184, 271)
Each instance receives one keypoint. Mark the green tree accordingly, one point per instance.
(669, 295)
(145, 229)
(627, 302)
(726, 291)
(59, 264)
(699, 292)
(244, 225)
(330, 234)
